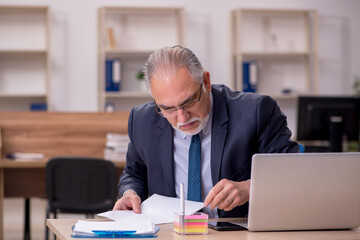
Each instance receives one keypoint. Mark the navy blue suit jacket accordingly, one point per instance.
(243, 124)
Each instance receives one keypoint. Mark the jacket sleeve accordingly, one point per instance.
(134, 176)
(273, 135)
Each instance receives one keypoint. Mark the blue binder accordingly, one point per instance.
(38, 106)
(250, 76)
(110, 84)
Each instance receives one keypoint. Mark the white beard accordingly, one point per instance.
(195, 131)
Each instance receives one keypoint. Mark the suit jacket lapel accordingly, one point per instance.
(218, 134)
(164, 136)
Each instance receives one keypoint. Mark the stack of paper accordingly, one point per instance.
(196, 223)
(25, 156)
(110, 229)
(116, 147)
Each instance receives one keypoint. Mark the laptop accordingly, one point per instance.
(304, 191)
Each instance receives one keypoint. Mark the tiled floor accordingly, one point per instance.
(14, 218)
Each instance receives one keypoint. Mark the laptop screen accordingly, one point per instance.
(304, 191)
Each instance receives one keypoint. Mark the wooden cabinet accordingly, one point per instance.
(24, 57)
(282, 44)
(127, 36)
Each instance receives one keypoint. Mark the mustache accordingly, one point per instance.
(179, 124)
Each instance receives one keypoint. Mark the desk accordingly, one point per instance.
(62, 229)
(53, 134)
(27, 178)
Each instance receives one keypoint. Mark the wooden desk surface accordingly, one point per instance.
(62, 229)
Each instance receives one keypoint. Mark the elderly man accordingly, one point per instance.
(198, 134)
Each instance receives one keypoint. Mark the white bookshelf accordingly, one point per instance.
(24, 57)
(283, 43)
(137, 32)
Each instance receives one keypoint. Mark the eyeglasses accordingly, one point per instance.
(185, 106)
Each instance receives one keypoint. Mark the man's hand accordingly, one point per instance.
(130, 201)
(228, 194)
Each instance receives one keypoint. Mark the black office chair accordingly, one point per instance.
(80, 185)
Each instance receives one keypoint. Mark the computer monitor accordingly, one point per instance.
(329, 118)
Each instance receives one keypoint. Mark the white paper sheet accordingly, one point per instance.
(157, 208)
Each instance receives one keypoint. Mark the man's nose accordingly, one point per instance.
(181, 115)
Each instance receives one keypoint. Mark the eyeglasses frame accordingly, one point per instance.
(182, 106)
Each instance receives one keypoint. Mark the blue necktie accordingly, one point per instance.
(194, 173)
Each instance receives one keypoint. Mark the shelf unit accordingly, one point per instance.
(135, 33)
(283, 44)
(24, 57)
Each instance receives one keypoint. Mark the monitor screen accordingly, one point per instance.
(328, 119)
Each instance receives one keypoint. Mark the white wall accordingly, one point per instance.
(74, 43)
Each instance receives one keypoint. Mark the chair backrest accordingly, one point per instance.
(81, 185)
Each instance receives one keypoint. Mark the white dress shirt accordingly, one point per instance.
(181, 158)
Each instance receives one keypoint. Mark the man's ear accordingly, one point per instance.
(207, 83)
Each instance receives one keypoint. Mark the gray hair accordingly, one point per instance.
(168, 60)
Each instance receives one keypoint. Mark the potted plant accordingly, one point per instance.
(140, 77)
